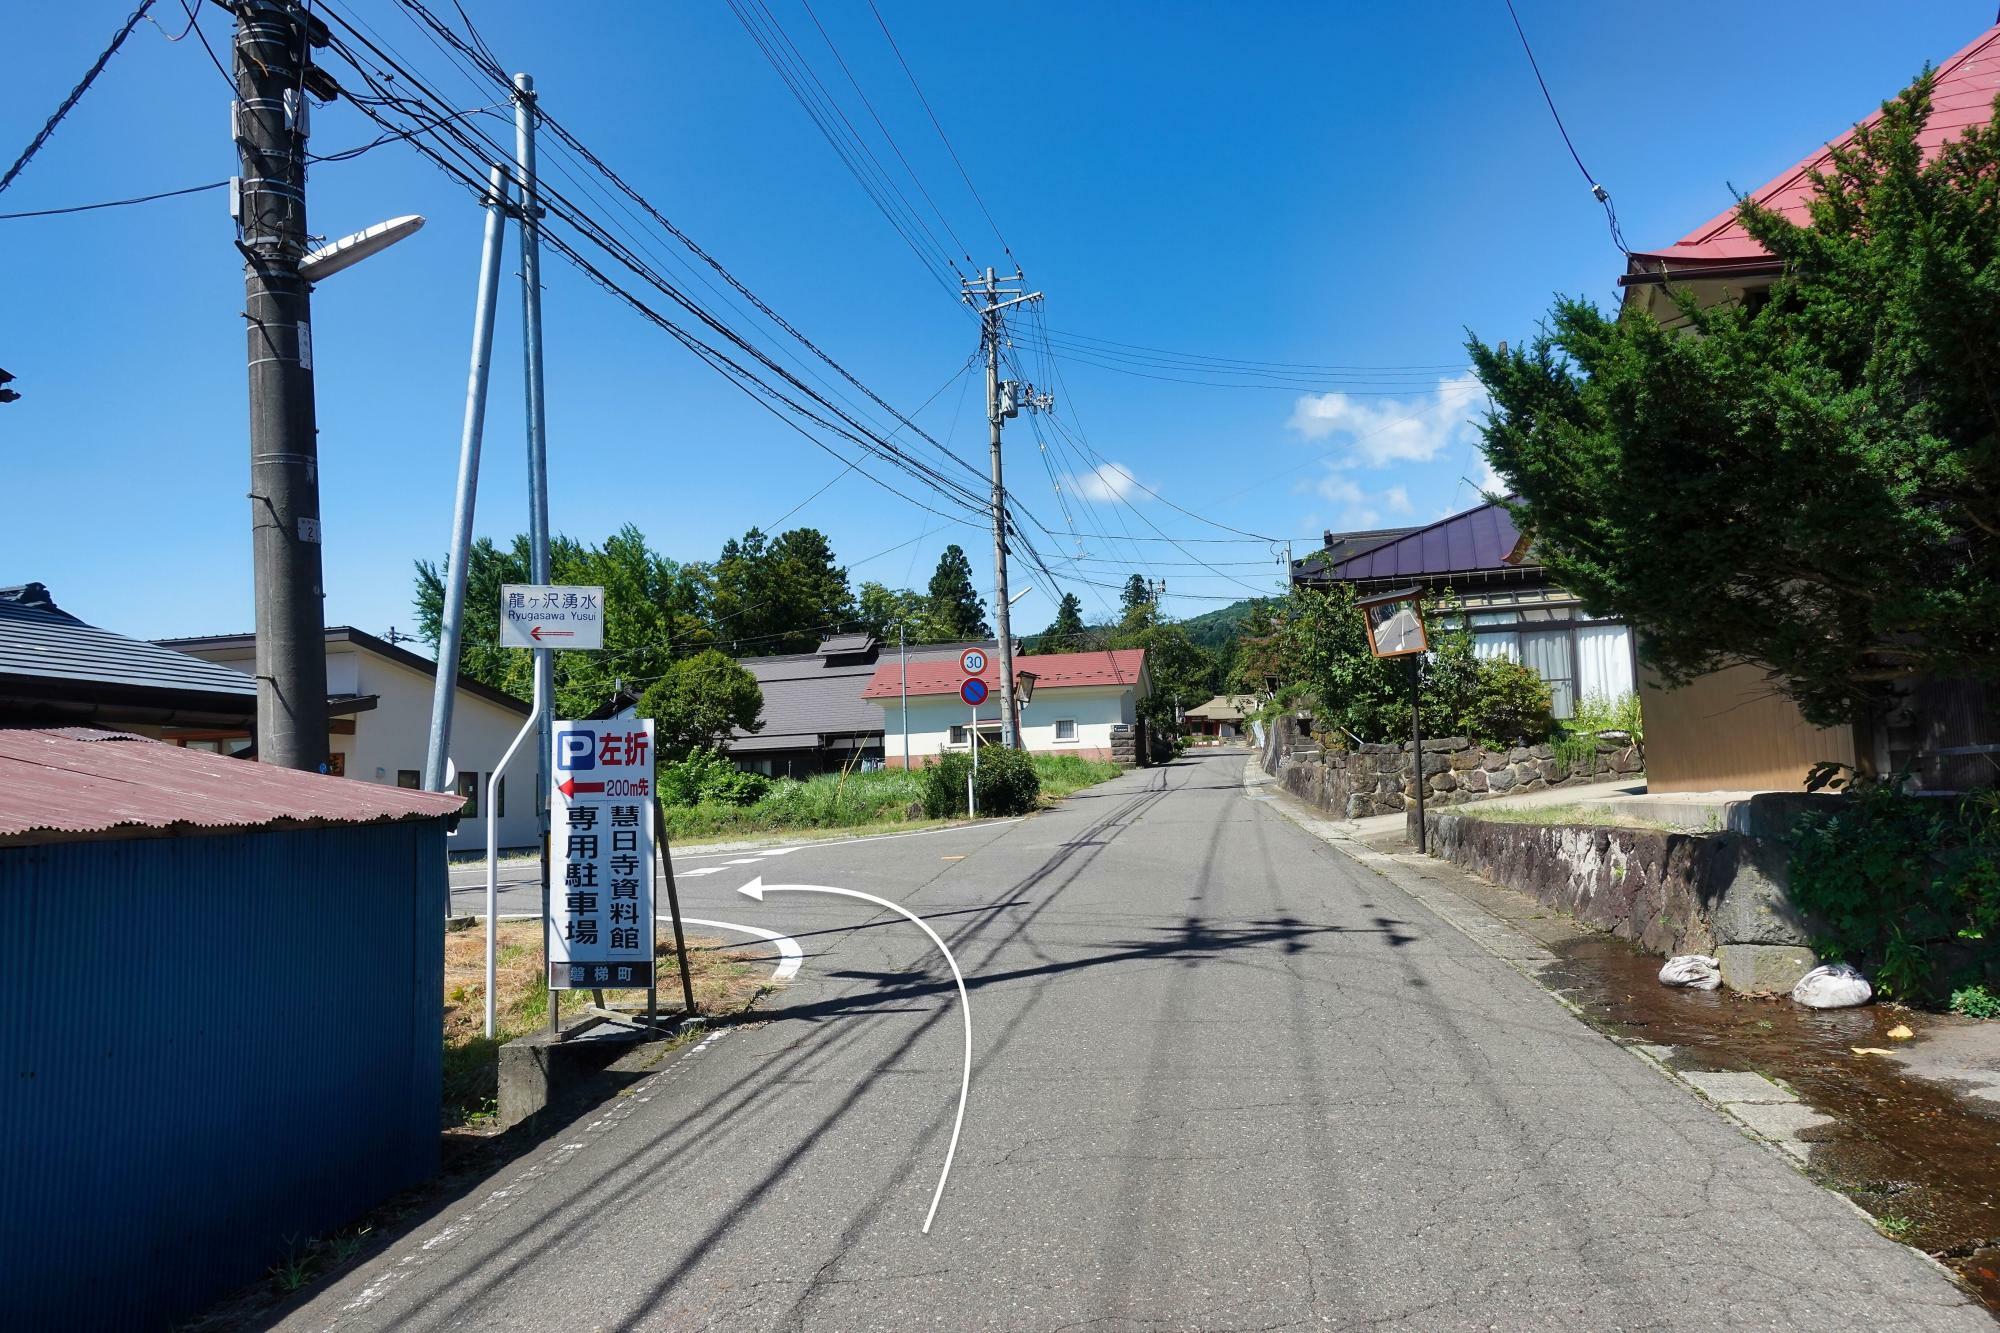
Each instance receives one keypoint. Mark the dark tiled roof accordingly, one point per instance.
(1479, 540)
(41, 645)
(805, 698)
(1345, 545)
(64, 783)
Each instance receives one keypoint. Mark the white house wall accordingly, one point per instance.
(1094, 709)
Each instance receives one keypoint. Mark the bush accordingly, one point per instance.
(1906, 887)
(1975, 1001)
(707, 775)
(1596, 715)
(1007, 783)
(1509, 704)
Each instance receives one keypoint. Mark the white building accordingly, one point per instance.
(1078, 699)
(382, 733)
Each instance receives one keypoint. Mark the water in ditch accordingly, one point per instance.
(1923, 1160)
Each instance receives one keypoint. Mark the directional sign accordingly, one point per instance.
(600, 924)
(972, 661)
(973, 691)
(534, 615)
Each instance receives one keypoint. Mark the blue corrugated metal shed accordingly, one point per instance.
(217, 1043)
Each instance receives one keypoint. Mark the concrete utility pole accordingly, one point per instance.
(1003, 399)
(269, 120)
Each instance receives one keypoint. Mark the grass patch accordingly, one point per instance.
(1595, 816)
(850, 801)
(725, 980)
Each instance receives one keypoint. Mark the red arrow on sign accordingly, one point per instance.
(536, 634)
(569, 787)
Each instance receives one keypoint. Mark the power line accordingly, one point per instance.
(113, 203)
(1241, 361)
(75, 95)
(942, 136)
(1597, 192)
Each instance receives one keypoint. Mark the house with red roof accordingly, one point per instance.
(1728, 730)
(1079, 701)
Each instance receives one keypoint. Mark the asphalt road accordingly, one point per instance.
(1224, 1078)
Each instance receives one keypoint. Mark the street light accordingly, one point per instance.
(1395, 622)
(1024, 686)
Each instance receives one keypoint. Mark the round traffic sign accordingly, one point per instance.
(973, 691)
(973, 661)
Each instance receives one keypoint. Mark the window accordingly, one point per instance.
(468, 787)
(408, 778)
(957, 736)
(1066, 729)
(500, 799)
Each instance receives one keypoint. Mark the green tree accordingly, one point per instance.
(1811, 481)
(1183, 673)
(1065, 634)
(1136, 593)
(881, 609)
(653, 614)
(699, 701)
(778, 596)
(956, 609)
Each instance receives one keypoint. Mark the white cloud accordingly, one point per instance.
(1383, 431)
(1397, 500)
(1491, 482)
(1106, 483)
(1359, 508)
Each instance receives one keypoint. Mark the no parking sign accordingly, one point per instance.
(973, 691)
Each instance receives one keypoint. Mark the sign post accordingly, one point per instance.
(973, 661)
(537, 615)
(1395, 623)
(600, 918)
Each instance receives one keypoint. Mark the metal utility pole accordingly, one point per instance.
(903, 657)
(269, 121)
(451, 627)
(1003, 399)
(538, 465)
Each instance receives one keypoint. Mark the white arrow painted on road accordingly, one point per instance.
(757, 888)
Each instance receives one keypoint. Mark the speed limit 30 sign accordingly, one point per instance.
(972, 661)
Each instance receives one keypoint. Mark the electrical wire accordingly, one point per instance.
(75, 95)
(113, 203)
(1598, 192)
(943, 138)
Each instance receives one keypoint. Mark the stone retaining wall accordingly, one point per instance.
(1377, 779)
(1670, 893)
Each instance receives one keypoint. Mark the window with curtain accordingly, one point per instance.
(1604, 661)
(1547, 654)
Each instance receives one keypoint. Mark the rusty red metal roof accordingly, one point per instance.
(1962, 95)
(58, 783)
(1053, 671)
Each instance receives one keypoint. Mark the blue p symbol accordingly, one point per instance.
(576, 750)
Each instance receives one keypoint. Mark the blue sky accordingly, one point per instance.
(1325, 184)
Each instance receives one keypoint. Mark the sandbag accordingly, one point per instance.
(1833, 986)
(1692, 971)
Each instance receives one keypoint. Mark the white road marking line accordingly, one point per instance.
(790, 955)
(703, 870)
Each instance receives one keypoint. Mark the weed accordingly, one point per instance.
(295, 1269)
(1896, 1225)
(1975, 1001)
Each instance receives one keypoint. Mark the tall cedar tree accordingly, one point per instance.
(778, 596)
(1136, 593)
(1065, 635)
(957, 611)
(1809, 483)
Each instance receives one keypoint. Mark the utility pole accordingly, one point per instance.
(1003, 399)
(451, 623)
(538, 469)
(273, 71)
